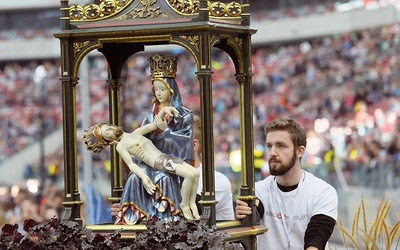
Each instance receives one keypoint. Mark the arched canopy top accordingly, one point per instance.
(141, 17)
(192, 24)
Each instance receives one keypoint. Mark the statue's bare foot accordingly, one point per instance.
(187, 213)
(195, 212)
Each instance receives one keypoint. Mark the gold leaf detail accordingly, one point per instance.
(78, 46)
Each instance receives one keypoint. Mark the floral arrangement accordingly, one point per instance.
(55, 235)
(160, 234)
(182, 234)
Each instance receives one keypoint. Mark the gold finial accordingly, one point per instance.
(163, 66)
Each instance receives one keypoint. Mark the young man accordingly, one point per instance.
(99, 136)
(299, 209)
(223, 190)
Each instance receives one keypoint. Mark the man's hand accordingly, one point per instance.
(242, 209)
(114, 209)
(148, 185)
(161, 124)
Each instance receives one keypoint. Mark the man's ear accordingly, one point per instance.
(195, 144)
(300, 151)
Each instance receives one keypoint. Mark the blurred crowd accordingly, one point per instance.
(276, 10)
(19, 204)
(24, 90)
(345, 89)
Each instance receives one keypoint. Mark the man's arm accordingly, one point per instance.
(145, 129)
(127, 158)
(323, 220)
(242, 209)
(318, 232)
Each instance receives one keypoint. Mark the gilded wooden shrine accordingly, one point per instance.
(119, 29)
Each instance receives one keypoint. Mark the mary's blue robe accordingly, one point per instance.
(176, 140)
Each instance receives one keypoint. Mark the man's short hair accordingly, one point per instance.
(296, 131)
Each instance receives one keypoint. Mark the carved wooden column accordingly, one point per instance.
(72, 200)
(247, 192)
(69, 80)
(114, 100)
(204, 75)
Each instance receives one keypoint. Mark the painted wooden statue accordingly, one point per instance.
(172, 135)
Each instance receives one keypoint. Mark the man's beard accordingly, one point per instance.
(118, 131)
(283, 168)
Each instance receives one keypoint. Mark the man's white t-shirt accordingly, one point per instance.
(313, 196)
(223, 194)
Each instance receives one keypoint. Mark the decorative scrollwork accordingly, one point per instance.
(239, 41)
(216, 9)
(193, 40)
(77, 46)
(94, 11)
(185, 6)
(234, 9)
(144, 9)
(76, 12)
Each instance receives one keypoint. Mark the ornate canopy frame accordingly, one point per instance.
(121, 28)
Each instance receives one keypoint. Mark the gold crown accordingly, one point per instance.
(97, 132)
(163, 66)
(93, 138)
